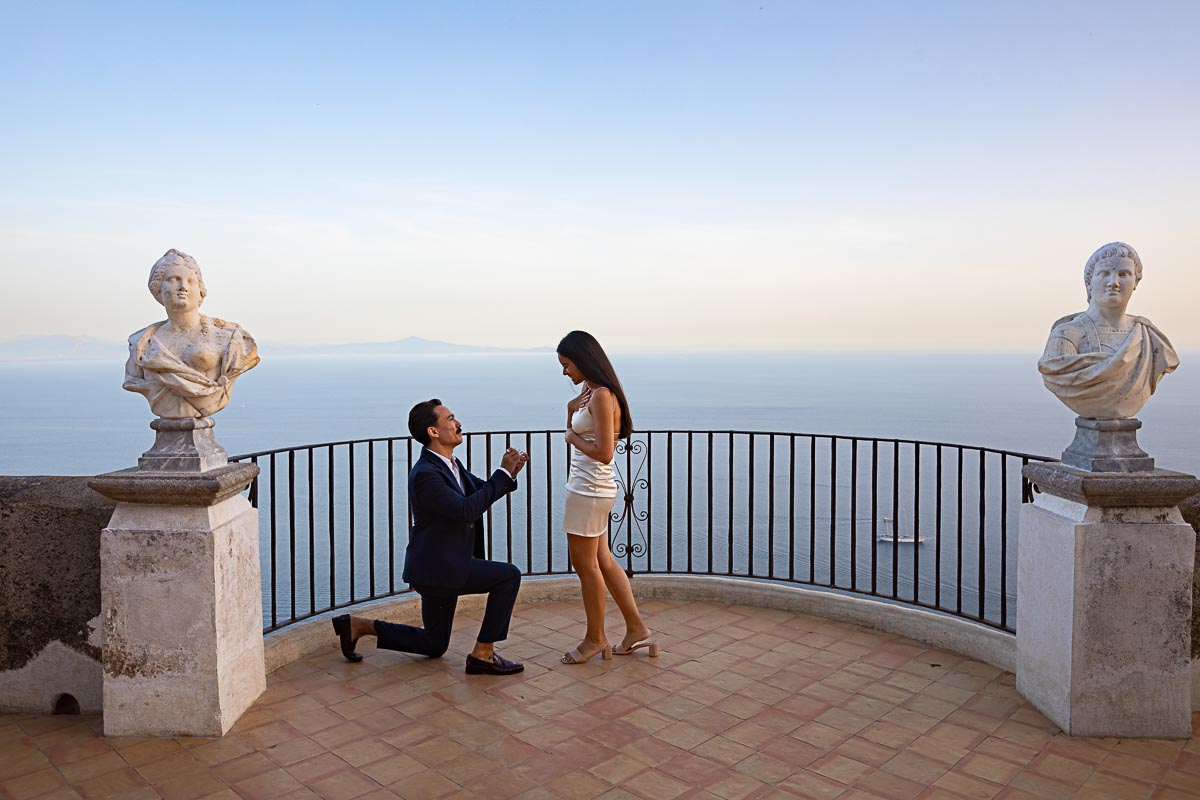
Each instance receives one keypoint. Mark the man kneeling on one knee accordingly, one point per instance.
(445, 552)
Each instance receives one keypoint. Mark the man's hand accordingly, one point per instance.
(513, 461)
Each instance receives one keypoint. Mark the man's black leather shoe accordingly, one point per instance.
(341, 626)
(497, 666)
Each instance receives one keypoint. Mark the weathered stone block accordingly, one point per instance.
(182, 618)
(1104, 617)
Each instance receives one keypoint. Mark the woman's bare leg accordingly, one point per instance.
(583, 551)
(618, 585)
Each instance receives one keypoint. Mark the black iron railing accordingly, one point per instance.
(927, 524)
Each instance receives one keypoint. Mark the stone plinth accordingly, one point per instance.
(1107, 445)
(183, 445)
(1104, 581)
(181, 602)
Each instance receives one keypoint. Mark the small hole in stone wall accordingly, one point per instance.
(66, 704)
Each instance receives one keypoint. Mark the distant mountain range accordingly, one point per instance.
(411, 345)
(87, 348)
(61, 348)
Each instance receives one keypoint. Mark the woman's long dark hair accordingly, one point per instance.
(588, 356)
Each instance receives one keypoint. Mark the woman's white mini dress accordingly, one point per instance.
(591, 485)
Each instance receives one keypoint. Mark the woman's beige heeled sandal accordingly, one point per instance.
(650, 644)
(576, 657)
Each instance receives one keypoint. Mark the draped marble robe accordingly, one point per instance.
(175, 388)
(1098, 384)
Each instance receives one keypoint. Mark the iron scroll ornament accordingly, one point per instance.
(627, 516)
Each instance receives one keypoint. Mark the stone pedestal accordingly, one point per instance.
(1107, 445)
(183, 445)
(1104, 585)
(181, 598)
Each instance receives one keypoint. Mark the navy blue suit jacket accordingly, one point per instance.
(448, 528)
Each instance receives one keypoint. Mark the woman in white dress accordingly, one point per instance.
(596, 419)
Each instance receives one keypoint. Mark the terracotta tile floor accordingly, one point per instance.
(743, 703)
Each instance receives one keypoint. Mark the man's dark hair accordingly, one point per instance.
(423, 417)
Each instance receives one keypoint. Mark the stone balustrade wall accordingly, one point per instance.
(1190, 509)
(50, 593)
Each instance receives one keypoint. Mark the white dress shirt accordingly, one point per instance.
(453, 465)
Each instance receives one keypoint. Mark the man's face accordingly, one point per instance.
(1113, 282)
(448, 430)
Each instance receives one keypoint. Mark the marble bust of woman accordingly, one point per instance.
(186, 365)
(1103, 363)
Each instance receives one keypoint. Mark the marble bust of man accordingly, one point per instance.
(186, 365)
(1103, 363)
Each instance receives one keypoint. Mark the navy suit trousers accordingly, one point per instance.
(499, 580)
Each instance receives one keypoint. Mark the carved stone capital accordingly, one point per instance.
(175, 489)
(1159, 488)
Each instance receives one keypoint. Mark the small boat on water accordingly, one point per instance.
(888, 534)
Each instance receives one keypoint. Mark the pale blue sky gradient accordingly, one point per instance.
(758, 175)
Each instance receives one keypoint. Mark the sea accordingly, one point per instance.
(68, 418)
(799, 508)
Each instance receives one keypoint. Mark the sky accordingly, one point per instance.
(874, 176)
